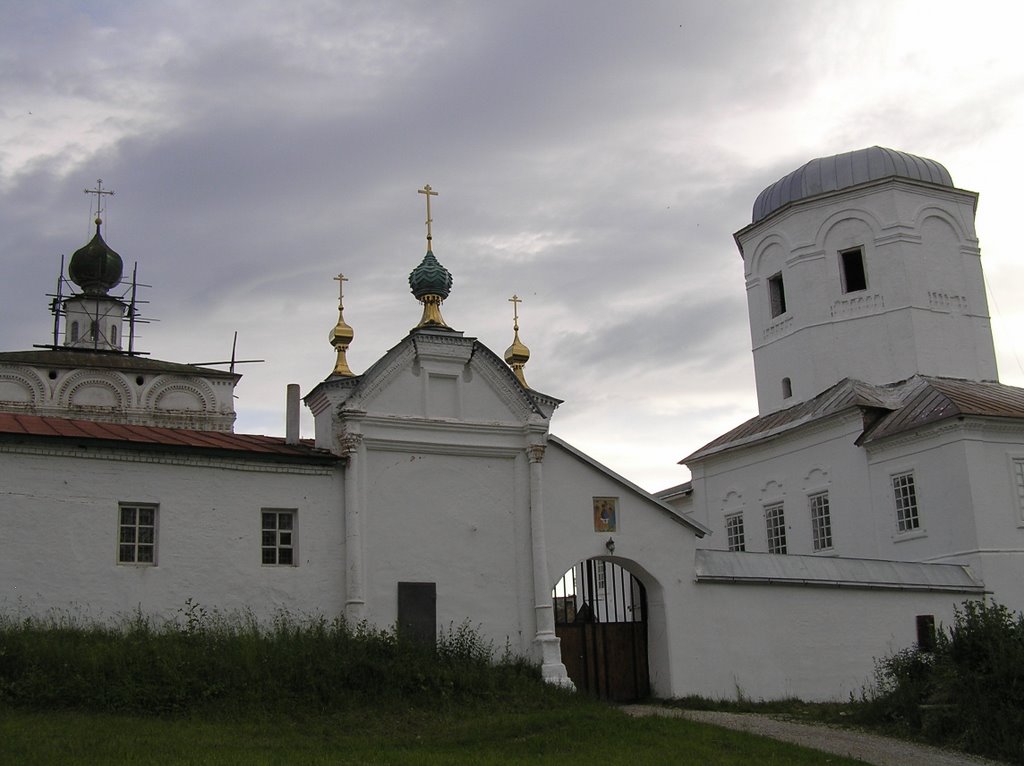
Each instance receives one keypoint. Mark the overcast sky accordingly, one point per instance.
(593, 157)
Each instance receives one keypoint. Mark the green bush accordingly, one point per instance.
(209, 660)
(968, 692)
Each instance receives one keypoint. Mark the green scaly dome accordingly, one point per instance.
(430, 278)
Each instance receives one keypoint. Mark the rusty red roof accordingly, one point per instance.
(14, 425)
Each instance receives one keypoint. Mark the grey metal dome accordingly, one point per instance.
(841, 171)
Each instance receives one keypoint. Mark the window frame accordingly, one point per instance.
(776, 295)
(820, 508)
(735, 534)
(136, 526)
(1017, 482)
(849, 266)
(775, 527)
(278, 545)
(906, 503)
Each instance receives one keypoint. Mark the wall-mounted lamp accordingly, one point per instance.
(610, 545)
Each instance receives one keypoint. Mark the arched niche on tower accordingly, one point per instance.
(88, 389)
(180, 396)
(769, 256)
(828, 232)
(943, 267)
(22, 387)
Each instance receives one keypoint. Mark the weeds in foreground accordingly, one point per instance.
(205, 660)
(968, 692)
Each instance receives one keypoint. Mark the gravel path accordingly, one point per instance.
(870, 748)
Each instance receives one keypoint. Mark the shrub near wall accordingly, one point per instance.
(968, 692)
(209, 660)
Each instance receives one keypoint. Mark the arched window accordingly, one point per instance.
(113, 335)
(787, 388)
(94, 329)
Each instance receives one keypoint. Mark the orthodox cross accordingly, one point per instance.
(99, 191)
(341, 279)
(430, 193)
(515, 300)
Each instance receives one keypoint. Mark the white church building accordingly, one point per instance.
(881, 483)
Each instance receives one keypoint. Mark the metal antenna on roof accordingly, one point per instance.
(232, 361)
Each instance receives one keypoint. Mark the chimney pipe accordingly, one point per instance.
(291, 411)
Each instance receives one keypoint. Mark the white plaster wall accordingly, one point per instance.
(771, 642)
(943, 488)
(788, 470)
(59, 526)
(457, 520)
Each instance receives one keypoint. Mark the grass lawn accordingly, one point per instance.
(477, 735)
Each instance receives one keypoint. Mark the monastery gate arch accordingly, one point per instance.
(601, 618)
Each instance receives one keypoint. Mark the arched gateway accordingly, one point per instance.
(601, 619)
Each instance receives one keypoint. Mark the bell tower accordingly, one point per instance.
(863, 265)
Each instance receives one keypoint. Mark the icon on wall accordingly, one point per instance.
(606, 512)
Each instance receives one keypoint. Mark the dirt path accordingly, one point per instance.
(870, 748)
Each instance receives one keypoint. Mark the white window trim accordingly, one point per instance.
(742, 531)
(828, 515)
(278, 546)
(1016, 464)
(156, 535)
(909, 534)
(771, 507)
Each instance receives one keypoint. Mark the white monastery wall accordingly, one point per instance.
(772, 642)
(61, 514)
(460, 521)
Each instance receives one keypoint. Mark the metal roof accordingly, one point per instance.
(34, 428)
(929, 400)
(836, 572)
(841, 171)
(887, 409)
(88, 358)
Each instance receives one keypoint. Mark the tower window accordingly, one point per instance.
(74, 331)
(851, 263)
(787, 388)
(776, 295)
(113, 334)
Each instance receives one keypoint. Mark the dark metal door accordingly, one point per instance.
(601, 618)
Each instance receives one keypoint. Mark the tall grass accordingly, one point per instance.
(209, 660)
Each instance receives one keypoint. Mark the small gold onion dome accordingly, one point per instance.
(517, 355)
(341, 336)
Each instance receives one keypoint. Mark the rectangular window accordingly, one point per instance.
(851, 264)
(777, 295)
(734, 532)
(136, 534)
(278, 537)
(775, 521)
(905, 494)
(821, 521)
(1018, 482)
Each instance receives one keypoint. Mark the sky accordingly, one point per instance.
(593, 158)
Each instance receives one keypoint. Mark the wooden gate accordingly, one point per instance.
(601, 618)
